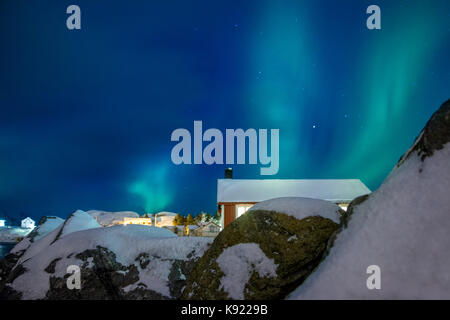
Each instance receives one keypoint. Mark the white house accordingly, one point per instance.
(2, 223)
(28, 223)
(189, 230)
(141, 221)
(236, 196)
(208, 229)
(164, 219)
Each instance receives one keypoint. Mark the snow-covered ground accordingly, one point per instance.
(13, 234)
(403, 228)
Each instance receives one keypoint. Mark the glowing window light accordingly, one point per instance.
(242, 209)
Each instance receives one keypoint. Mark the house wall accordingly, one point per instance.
(230, 213)
(343, 205)
(142, 221)
(205, 231)
(27, 223)
(230, 210)
(164, 221)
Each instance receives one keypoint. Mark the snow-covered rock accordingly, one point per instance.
(238, 263)
(77, 221)
(45, 225)
(266, 252)
(403, 228)
(120, 262)
(107, 219)
(300, 208)
(50, 231)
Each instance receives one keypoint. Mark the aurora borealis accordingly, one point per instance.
(86, 115)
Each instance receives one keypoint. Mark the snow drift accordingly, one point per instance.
(300, 208)
(403, 227)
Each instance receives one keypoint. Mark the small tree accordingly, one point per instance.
(198, 218)
(216, 218)
(178, 220)
(189, 219)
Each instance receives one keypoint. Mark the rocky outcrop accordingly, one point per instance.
(103, 278)
(294, 246)
(45, 225)
(434, 135)
(132, 262)
(6, 266)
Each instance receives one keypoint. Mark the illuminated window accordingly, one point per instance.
(241, 209)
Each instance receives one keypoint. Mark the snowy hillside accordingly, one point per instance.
(45, 226)
(12, 234)
(403, 228)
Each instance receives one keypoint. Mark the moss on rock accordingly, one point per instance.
(296, 246)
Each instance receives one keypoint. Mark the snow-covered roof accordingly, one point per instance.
(254, 190)
(207, 223)
(165, 213)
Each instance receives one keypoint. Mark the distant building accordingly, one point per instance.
(236, 196)
(28, 223)
(208, 229)
(164, 219)
(189, 230)
(141, 221)
(2, 223)
(150, 216)
(178, 230)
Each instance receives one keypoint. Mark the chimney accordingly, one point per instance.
(228, 173)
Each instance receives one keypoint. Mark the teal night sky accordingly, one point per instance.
(86, 116)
